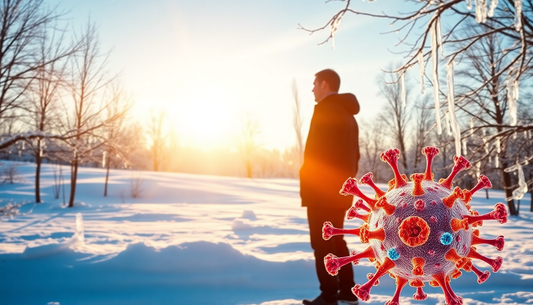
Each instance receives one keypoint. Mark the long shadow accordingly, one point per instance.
(39, 221)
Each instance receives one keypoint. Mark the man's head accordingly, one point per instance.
(326, 82)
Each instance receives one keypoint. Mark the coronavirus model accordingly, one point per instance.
(418, 231)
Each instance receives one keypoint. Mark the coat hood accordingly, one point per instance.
(347, 100)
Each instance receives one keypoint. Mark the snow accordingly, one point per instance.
(522, 185)
(481, 11)
(468, 4)
(422, 72)
(512, 94)
(334, 27)
(439, 37)
(493, 6)
(518, 15)
(193, 239)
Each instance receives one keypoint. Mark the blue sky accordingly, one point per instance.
(209, 63)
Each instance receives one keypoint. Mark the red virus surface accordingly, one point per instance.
(418, 231)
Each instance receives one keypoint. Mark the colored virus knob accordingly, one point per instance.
(414, 231)
(418, 231)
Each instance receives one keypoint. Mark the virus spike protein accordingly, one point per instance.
(391, 157)
(498, 242)
(460, 163)
(367, 179)
(334, 263)
(420, 295)
(363, 291)
(483, 182)
(350, 188)
(400, 283)
(430, 153)
(418, 231)
(353, 212)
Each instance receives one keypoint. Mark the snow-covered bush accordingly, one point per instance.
(9, 172)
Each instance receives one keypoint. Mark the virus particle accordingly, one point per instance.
(418, 231)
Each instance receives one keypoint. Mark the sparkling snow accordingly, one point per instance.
(193, 239)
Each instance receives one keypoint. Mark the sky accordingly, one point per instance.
(209, 64)
(196, 240)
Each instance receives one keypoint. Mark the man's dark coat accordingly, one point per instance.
(331, 152)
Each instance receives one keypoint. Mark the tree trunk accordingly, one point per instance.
(404, 158)
(531, 200)
(509, 192)
(73, 180)
(444, 153)
(107, 174)
(38, 161)
(248, 169)
(156, 164)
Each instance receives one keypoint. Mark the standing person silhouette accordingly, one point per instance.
(331, 156)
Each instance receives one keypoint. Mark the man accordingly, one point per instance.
(331, 156)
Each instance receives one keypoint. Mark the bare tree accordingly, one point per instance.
(288, 157)
(422, 129)
(371, 144)
(527, 150)
(297, 123)
(159, 138)
(132, 146)
(89, 78)
(25, 25)
(9, 173)
(22, 23)
(28, 50)
(44, 92)
(114, 132)
(249, 142)
(488, 110)
(507, 19)
(444, 160)
(10, 130)
(395, 114)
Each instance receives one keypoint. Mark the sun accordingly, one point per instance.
(204, 121)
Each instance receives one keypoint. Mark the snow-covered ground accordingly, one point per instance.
(192, 239)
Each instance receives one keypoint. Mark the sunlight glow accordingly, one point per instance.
(204, 120)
